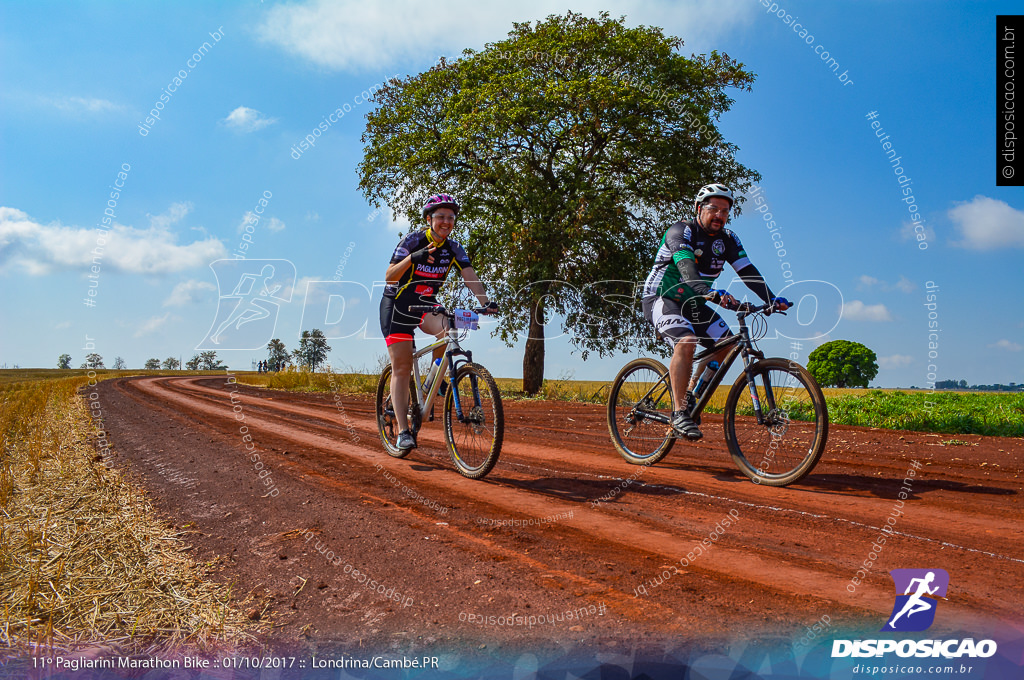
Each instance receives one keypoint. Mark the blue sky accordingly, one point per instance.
(78, 80)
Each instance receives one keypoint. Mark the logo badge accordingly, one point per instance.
(247, 316)
(718, 247)
(917, 593)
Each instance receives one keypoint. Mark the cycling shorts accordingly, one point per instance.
(674, 320)
(398, 323)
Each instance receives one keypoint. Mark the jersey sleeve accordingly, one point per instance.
(734, 253)
(405, 246)
(679, 240)
(459, 256)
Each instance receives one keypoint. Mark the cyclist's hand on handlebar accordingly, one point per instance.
(490, 308)
(780, 304)
(721, 297)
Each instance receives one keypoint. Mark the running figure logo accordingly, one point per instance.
(247, 316)
(915, 611)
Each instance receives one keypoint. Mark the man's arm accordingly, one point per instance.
(688, 270)
(755, 282)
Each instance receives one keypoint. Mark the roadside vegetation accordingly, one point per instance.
(84, 560)
(984, 413)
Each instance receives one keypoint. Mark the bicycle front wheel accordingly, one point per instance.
(387, 425)
(474, 439)
(639, 410)
(789, 443)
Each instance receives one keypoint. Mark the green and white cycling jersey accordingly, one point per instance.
(687, 240)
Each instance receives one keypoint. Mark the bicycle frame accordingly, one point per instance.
(741, 345)
(425, 394)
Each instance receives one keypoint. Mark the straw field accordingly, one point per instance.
(84, 561)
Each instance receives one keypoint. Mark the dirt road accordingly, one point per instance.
(343, 544)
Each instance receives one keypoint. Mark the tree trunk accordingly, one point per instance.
(533, 358)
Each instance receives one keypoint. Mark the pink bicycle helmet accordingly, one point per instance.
(440, 201)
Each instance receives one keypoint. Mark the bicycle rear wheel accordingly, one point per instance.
(789, 443)
(474, 441)
(387, 426)
(639, 409)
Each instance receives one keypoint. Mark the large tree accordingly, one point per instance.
(572, 144)
(313, 349)
(172, 363)
(842, 363)
(64, 361)
(152, 364)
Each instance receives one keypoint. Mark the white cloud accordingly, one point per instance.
(152, 325)
(83, 104)
(895, 361)
(252, 219)
(188, 292)
(988, 224)
(176, 213)
(39, 249)
(353, 34)
(1007, 345)
(245, 119)
(908, 233)
(867, 281)
(904, 285)
(855, 310)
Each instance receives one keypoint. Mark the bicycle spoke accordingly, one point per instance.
(638, 411)
(788, 443)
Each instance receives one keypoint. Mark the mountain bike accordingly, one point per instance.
(474, 421)
(775, 418)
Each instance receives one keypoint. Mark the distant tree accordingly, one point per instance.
(313, 349)
(208, 361)
(172, 363)
(842, 363)
(152, 364)
(64, 361)
(93, 361)
(119, 364)
(193, 363)
(277, 355)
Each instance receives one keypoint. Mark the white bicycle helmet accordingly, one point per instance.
(710, 191)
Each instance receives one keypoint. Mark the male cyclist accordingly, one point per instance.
(419, 266)
(690, 258)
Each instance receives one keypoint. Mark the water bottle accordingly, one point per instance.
(433, 371)
(705, 378)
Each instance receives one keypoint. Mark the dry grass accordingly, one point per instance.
(83, 558)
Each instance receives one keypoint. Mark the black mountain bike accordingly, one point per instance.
(775, 418)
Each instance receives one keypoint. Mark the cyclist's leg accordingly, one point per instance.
(667, 317)
(397, 328)
(709, 328)
(436, 325)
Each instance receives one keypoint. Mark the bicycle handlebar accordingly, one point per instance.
(747, 308)
(441, 309)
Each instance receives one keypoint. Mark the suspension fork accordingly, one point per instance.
(452, 370)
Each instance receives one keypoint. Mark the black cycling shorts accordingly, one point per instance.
(674, 320)
(397, 323)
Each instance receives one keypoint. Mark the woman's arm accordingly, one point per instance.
(473, 283)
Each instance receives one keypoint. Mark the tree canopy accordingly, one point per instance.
(572, 145)
(277, 355)
(842, 363)
(313, 349)
(64, 361)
